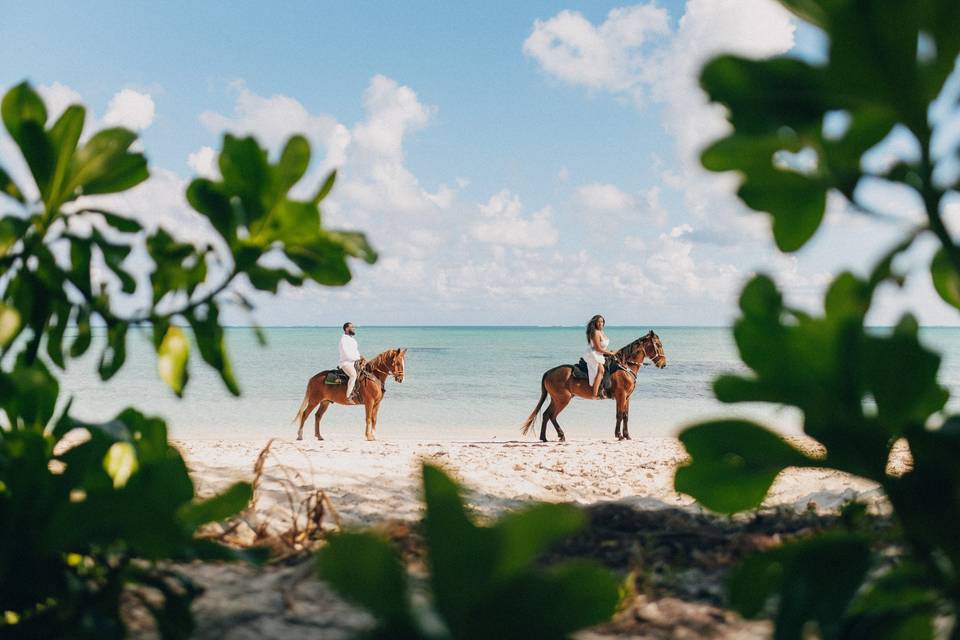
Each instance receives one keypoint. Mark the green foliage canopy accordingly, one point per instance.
(87, 509)
(484, 582)
(859, 390)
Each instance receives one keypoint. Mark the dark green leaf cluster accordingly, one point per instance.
(75, 517)
(87, 510)
(49, 249)
(860, 391)
(484, 582)
(887, 62)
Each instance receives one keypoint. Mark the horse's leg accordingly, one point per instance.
(626, 415)
(374, 415)
(303, 417)
(561, 404)
(316, 419)
(546, 419)
(368, 414)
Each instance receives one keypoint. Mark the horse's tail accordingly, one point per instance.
(533, 416)
(303, 406)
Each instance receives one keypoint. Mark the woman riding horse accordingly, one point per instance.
(561, 385)
(596, 354)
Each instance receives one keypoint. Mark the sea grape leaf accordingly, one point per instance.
(233, 500)
(946, 280)
(733, 463)
(172, 355)
(814, 580)
(367, 571)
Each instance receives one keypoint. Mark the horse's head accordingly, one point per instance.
(396, 365)
(653, 349)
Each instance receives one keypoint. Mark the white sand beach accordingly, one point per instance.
(371, 482)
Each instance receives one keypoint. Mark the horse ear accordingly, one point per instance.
(403, 351)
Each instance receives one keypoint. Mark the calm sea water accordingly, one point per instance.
(461, 383)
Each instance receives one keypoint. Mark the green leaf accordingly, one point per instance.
(765, 95)
(946, 280)
(220, 507)
(293, 163)
(323, 260)
(172, 355)
(899, 605)
(525, 535)
(243, 165)
(55, 335)
(733, 463)
(114, 255)
(902, 401)
(120, 463)
(9, 324)
(210, 341)
(814, 580)
(9, 188)
(354, 244)
(25, 117)
(64, 136)
(117, 221)
(326, 187)
(22, 104)
(81, 255)
(103, 164)
(367, 571)
(115, 351)
(206, 197)
(84, 336)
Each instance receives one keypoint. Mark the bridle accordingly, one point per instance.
(647, 339)
(396, 372)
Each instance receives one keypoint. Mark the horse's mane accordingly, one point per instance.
(380, 358)
(632, 347)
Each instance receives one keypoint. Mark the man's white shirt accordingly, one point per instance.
(349, 350)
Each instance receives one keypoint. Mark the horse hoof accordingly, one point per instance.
(627, 438)
(543, 440)
(299, 437)
(319, 438)
(562, 439)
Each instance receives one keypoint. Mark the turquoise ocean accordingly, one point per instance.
(462, 383)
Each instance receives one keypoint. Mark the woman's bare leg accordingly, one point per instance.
(597, 381)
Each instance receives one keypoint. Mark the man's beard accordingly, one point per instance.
(351, 332)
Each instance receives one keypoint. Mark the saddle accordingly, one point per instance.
(611, 366)
(337, 376)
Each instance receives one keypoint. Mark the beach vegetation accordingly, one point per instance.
(89, 511)
(484, 581)
(866, 394)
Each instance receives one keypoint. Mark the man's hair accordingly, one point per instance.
(346, 324)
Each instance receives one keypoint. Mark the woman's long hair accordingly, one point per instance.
(592, 326)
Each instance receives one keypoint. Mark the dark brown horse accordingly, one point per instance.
(562, 386)
(371, 380)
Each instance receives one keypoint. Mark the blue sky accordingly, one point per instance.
(515, 163)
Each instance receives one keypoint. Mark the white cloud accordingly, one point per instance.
(58, 97)
(131, 109)
(609, 56)
(604, 197)
(274, 119)
(203, 162)
(502, 222)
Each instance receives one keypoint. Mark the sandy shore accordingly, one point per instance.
(372, 482)
(369, 482)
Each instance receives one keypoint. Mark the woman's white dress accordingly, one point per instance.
(594, 358)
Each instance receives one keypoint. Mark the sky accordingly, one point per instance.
(519, 163)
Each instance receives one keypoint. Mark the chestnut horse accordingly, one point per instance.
(371, 380)
(562, 386)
